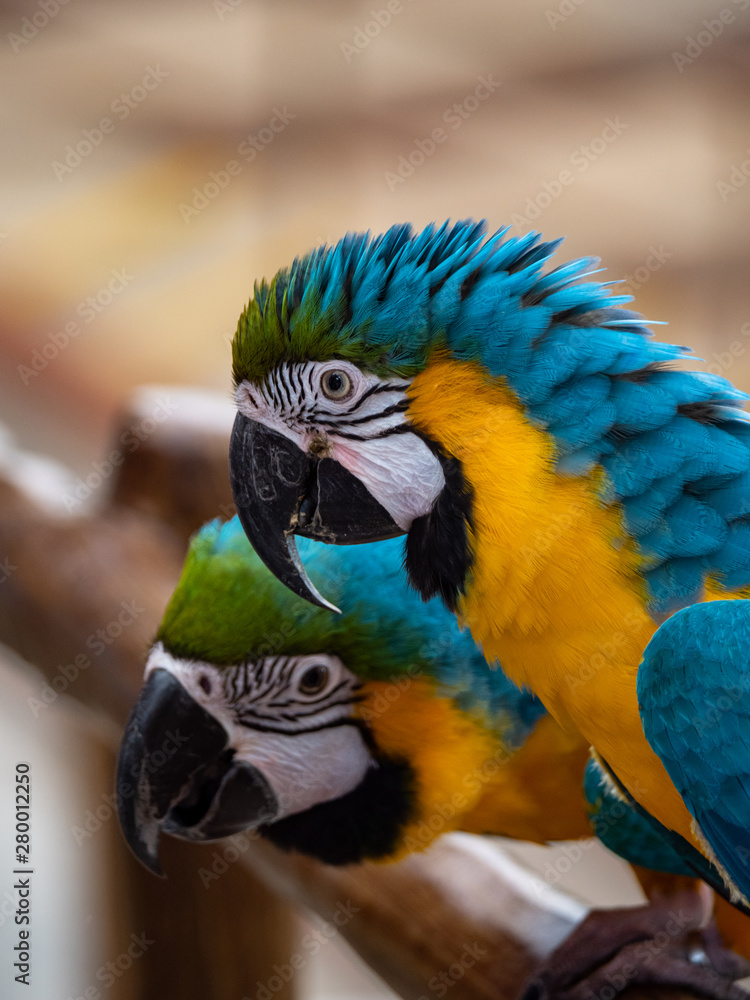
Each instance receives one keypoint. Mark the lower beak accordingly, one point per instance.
(176, 772)
(281, 491)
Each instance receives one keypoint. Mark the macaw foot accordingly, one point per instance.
(665, 942)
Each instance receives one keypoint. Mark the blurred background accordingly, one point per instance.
(157, 158)
(119, 121)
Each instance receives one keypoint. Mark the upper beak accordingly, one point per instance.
(177, 772)
(280, 491)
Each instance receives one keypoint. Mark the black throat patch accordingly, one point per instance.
(438, 554)
(366, 824)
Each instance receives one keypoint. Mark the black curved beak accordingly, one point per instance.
(280, 491)
(177, 773)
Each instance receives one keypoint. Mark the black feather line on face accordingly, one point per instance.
(365, 824)
(438, 554)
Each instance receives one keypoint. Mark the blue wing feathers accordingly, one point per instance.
(583, 394)
(731, 844)
(676, 583)
(639, 406)
(644, 510)
(689, 525)
(694, 697)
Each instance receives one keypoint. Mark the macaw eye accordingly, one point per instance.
(336, 384)
(314, 679)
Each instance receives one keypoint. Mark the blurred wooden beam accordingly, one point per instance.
(425, 922)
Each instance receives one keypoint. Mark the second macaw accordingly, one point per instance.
(363, 736)
(351, 737)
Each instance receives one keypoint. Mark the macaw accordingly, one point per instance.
(560, 485)
(359, 736)
(351, 737)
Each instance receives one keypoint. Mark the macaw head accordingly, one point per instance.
(323, 361)
(332, 358)
(336, 735)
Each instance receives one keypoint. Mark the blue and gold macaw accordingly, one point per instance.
(358, 736)
(347, 737)
(560, 485)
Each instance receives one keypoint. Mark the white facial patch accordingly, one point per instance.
(365, 430)
(286, 715)
(401, 473)
(309, 768)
